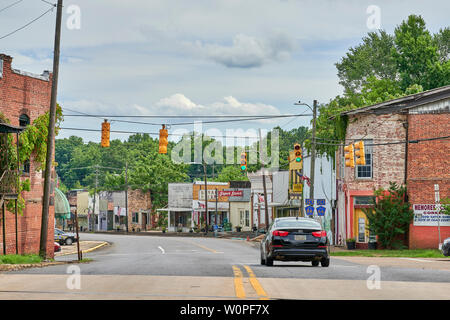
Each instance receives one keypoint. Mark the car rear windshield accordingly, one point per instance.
(298, 224)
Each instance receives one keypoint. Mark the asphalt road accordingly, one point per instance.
(152, 267)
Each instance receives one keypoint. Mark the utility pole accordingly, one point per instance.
(215, 217)
(206, 197)
(438, 206)
(313, 153)
(266, 209)
(126, 196)
(51, 136)
(95, 195)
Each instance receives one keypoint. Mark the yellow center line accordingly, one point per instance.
(200, 246)
(256, 285)
(238, 284)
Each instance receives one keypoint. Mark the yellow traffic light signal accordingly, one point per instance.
(163, 142)
(298, 152)
(360, 153)
(349, 156)
(243, 161)
(105, 133)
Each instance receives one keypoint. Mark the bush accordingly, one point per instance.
(390, 216)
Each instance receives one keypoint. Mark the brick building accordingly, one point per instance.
(24, 97)
(418, 165)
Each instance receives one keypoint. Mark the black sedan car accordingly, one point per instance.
(446, 247)
(295, 239)
(63, 237)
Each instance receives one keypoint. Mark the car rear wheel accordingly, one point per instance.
(315, 263)
(325, 262)
(269, 262)
(69, 241)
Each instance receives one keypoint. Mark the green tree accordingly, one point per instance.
(231, 173)
(372, 58)
(416, 55)
(390, 216)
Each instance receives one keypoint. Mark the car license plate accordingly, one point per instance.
(300, 237)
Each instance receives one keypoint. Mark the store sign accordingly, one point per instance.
(225, 193)
(428, 215)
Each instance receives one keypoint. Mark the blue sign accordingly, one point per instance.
(309, 210)
(320, 202)
(321, 211)
(309, 202)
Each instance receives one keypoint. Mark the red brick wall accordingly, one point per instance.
(21, 94)
(138, 201)
(428, 164)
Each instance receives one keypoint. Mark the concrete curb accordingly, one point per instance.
(104, 243)
(18, 267)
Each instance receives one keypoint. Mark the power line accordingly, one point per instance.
(11, 5)
(26, 25)
(246, 118)
(81, 114)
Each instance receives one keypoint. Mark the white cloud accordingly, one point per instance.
(180, 104)
(249, 52)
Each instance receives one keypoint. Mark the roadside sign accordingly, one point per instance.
(297, 187)
(309, 202)
(321, 211)
(321, 202)
(309, 210)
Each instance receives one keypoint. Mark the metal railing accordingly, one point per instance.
(8, 182)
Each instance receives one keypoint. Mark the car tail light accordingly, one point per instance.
(319, 234)
(280, 233)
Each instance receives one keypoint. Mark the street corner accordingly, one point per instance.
(85, 247)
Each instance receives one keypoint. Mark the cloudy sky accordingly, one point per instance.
(210, 57)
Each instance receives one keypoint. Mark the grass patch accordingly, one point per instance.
(20, 259)
(418, 253)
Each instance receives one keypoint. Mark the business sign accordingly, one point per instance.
(229, 193)
(320, 211)
(428, 215)
(309, 210)
(297, 187)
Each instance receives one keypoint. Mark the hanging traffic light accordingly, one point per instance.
(243, 161)
(360, 153)
(298, 152)
(349, 156)
(105, 133)
(163, 134)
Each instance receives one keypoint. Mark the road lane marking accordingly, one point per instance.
(162, 250)
(256, 285)
(201, 246)
(238, 284)
(418, 260)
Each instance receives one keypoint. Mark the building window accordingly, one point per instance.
(24, 120)
(247, 218)
(1, 68)
(366, 171)
(364, 200)
(135, 217)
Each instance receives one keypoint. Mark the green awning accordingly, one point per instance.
(62, 207)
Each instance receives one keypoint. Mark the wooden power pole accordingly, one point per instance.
(51, 136)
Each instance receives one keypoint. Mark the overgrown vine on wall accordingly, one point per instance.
(32, 142)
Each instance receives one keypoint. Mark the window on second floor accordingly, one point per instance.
(24, 120)
(366, 171)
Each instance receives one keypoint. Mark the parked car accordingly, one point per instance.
(446, 247)
(57, 247)
(295, 239)
(63, 237)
